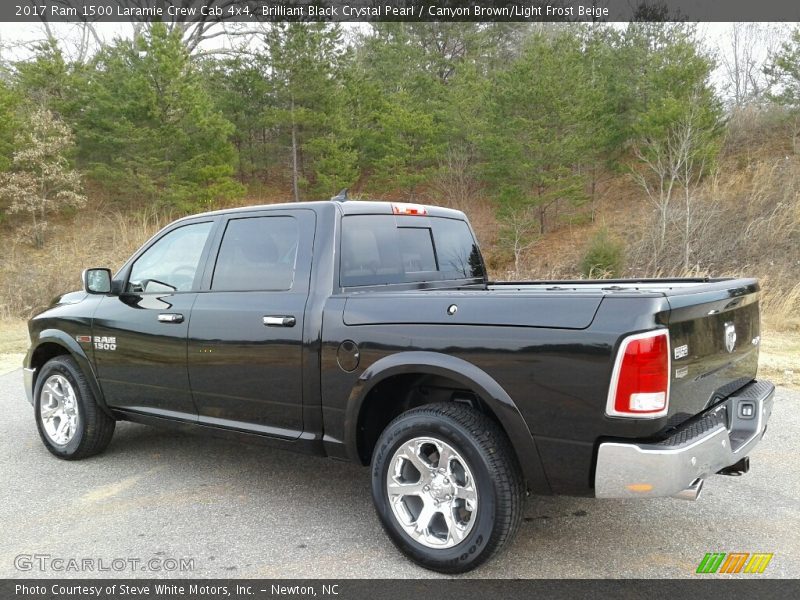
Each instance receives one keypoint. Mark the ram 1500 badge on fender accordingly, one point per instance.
(369, 331)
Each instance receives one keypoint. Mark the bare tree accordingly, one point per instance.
(794, 133)
(295, 154)
(518, 229)
(657, 175)
(41, 180)
(670, 171)
(691, 169)
(454, 182)
(742, 61)
(196, 29)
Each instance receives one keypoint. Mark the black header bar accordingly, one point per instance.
(398, 10)
(707, 587)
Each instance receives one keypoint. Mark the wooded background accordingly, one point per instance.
(577, 150)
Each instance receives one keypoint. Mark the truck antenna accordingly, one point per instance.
(341, 196)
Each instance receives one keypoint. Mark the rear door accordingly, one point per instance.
(246, 332)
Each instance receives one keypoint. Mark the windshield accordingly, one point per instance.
(383, 249)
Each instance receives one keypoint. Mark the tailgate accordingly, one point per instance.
(714, 339)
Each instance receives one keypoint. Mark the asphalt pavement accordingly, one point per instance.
(248, 511)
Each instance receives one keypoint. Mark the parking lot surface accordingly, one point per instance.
(250, 511)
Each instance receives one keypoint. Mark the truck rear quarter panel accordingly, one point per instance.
(556, 377)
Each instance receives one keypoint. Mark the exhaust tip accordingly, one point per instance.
(692, 492)
(739, 468)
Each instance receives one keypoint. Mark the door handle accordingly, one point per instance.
(170, 318)
(274, 321)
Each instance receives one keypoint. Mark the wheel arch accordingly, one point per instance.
(402, 369)
(53, 342)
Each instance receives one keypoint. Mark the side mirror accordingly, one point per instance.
(96, 281)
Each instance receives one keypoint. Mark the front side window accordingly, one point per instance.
(171, 263)
(257, 253)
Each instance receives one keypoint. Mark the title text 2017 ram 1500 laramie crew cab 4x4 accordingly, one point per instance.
(368, 331)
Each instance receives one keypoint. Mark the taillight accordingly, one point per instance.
(640, 380)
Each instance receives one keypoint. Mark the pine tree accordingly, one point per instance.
(9, 103)
(783, 72)
(240, 91)
(535, 132)
(398, 99)
(47, 79)
(149, 129)
(304, 62)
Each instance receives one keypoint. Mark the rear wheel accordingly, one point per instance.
(69, 420)
(447, 486)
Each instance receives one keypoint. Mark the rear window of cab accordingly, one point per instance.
(385, 249)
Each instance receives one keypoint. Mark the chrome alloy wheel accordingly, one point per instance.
(432, 492)
(59, 409)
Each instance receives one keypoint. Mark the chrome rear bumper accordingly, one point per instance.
(676, 466)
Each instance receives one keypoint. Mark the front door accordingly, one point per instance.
(246, 333)
(139, 337)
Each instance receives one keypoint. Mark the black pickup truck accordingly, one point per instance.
(368, 331)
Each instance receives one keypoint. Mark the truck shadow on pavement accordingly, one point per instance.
(327, 504)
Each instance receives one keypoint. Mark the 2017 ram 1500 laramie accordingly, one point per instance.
(368, 331)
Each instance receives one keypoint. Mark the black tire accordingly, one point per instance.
(94, 427)
(496, 473)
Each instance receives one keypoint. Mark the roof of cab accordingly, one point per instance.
(348, 207)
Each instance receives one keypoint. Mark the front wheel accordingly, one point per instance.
(70, 422)
(447, 486)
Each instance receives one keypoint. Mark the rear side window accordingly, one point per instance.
(457, 252)
(257, 253)
(381, 249)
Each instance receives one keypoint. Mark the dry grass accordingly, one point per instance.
(780, 307)
(13, 336)
(13, 344)
(780, 358)
(30, 277)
